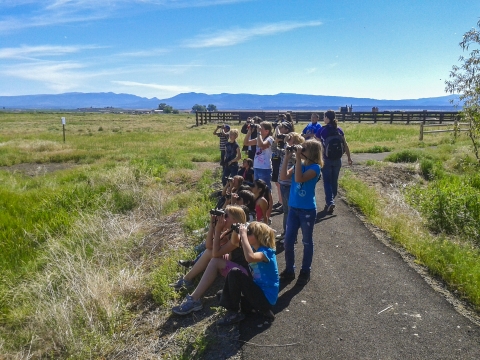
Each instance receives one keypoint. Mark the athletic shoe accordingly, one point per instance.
(182, 283)
(186, 263)
(187, 306)
(269, 315)
(331, 208)
(277, 205)
(286, 276)
(232, 317)
(280, 236)
(278, 209)
(219, 295)
(303, 277)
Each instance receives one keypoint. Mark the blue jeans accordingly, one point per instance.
(304, 219)
(330, 172)
(230, 170)
(285, 191)
(263, 174)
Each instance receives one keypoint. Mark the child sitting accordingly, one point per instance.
(259, 291)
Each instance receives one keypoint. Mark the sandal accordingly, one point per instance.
(231, 318)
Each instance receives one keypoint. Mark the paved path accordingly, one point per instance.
(363, 302)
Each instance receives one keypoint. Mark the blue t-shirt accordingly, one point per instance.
(302, 195)
(311, 129)
(323, 133)
(265, 274)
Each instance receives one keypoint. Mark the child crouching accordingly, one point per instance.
(259, 290)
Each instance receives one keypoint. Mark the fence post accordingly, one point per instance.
(391, 118)
(421, 132)
(196, 117)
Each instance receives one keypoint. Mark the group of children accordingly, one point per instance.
(244, 252)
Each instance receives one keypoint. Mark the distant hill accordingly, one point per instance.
(282, 101)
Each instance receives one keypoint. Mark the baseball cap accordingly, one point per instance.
(226, 127)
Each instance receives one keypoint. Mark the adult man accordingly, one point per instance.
(251, 149)
(312, 128)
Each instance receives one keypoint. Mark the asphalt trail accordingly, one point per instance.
(363, 302)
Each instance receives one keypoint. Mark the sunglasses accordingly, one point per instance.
(225, 216)
(249, 232)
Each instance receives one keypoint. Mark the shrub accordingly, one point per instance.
(451, 205)
(404, 156)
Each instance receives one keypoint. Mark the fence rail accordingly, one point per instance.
(455, 127)
(405, 117)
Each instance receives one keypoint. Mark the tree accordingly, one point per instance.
(211, 108)
(167, 109)
(465, 80)
(161, 106)
(197, 107)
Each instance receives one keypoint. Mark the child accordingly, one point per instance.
(223, 138)
(232, 155)
(263, 200)
(260, 290)
(220, 257)
(262, 163)
(302, 206)
(246, 171)
(291, 139)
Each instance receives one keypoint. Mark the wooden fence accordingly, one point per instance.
(455, 127)
(404, 117)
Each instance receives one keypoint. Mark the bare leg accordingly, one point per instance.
(209, 276)
(279, 193)
(200, 265)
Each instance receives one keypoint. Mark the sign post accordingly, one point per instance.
(63, 125)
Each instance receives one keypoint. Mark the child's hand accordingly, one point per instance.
(243, 230)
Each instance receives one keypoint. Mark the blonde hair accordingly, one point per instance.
(313, 150)
(263, 233)
(297, 138)
(237, 214)
(234, 132)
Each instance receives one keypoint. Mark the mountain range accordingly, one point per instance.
(282, 101)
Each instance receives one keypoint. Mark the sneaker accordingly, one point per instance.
(303, 277)
(269, 221)
(331, 208)
(182, 283)
(231, 318)
(186, 263)
(277, 205)
(280, 236)
(269, 315)
(278, 210)
(219, 295)
(286, 276)
(187, 306)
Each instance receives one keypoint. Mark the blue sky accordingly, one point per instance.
(390, 49)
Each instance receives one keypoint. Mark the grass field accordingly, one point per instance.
(80, 220)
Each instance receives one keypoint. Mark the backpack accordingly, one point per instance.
(334, 147)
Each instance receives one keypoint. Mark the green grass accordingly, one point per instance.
(456, 263)
(71, 240)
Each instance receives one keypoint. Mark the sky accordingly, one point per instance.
(382, 49)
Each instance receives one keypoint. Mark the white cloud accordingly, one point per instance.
(61, 76)
(167, 88)
(310, 70)
(144, 53)
(236, 36)
(54, 12)
(43, 50)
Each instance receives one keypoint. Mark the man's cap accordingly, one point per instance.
(226, 127)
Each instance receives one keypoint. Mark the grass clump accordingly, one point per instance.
(404, 156)
(451, 205)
